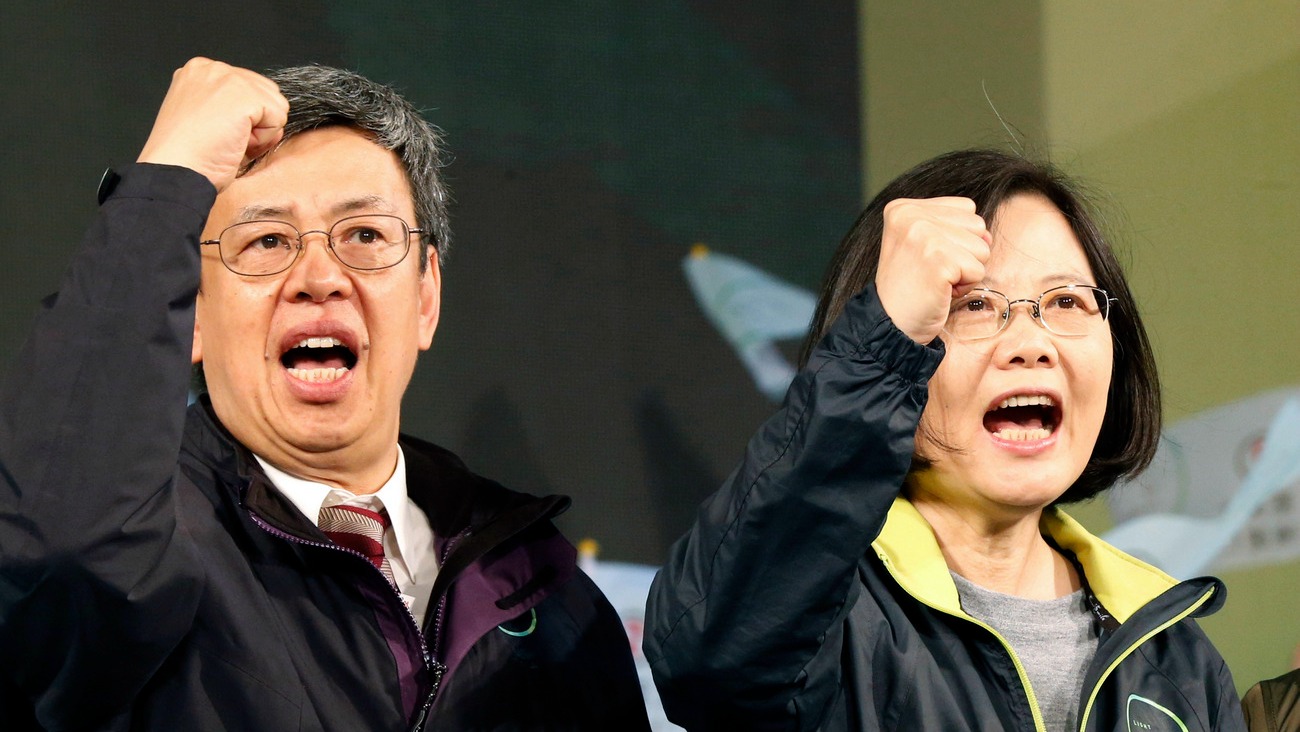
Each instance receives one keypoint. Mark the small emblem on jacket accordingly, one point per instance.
(522, 626)
(1145, 715)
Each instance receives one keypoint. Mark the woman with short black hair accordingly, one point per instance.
(890, 553)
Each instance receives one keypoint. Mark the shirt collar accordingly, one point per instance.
(309, 497)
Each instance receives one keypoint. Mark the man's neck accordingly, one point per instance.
(322, 446)
(321, 469)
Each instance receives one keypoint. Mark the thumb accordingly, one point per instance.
(261, 140)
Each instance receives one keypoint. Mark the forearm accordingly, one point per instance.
(91, 565)
(751, 595)
(92, 412)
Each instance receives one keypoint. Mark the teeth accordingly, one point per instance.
(1012, 434)
(326, 342)
(317, 376)
(1027, 401)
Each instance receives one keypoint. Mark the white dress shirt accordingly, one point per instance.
(408, 540)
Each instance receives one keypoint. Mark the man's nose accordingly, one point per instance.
(318, 275)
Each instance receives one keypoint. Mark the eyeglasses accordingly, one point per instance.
(1068, 310)
(367, 243)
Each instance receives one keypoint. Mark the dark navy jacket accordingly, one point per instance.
(810, 596)
(152, 579)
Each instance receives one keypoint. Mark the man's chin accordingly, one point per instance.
(308, 436)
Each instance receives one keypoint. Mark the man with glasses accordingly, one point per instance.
(276, 557)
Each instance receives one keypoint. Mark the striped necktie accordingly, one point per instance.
(360, 530)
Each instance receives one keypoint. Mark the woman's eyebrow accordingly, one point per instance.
(1048, 281)
(1066, 278)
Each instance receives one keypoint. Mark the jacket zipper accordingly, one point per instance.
(1039, 726)
(434, 667)
(1092, 698)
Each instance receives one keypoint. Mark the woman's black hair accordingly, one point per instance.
(1130, 429)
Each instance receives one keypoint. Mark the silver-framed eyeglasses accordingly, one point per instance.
(1068, 310)
(367, 242)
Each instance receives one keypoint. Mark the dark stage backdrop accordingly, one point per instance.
(593, 143)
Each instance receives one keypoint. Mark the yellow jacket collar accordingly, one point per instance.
(909, 551)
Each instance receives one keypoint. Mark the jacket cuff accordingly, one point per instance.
(864, 329)
(164, 183)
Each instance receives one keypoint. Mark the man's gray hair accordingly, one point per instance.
(322, 96)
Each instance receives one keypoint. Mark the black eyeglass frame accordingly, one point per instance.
(329, 240)
(1004, 317)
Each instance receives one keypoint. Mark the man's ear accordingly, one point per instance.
(430, 301)
(196, 350)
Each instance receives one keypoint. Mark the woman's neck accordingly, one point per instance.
(1005, 552)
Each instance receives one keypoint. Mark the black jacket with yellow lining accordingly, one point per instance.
(810, 596)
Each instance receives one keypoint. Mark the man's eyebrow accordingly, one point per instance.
(364, 203)
(259, 212)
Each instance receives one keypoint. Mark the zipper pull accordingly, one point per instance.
(1106, 622)
(437, 669)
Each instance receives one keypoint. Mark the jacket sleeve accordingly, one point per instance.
(745, 622)
(1231, 712)
(97, 581)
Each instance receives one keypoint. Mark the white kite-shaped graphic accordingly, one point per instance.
(1194, 511)
(752, 310)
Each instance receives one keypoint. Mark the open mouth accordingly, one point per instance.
(1023, 418)
(318, 360)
